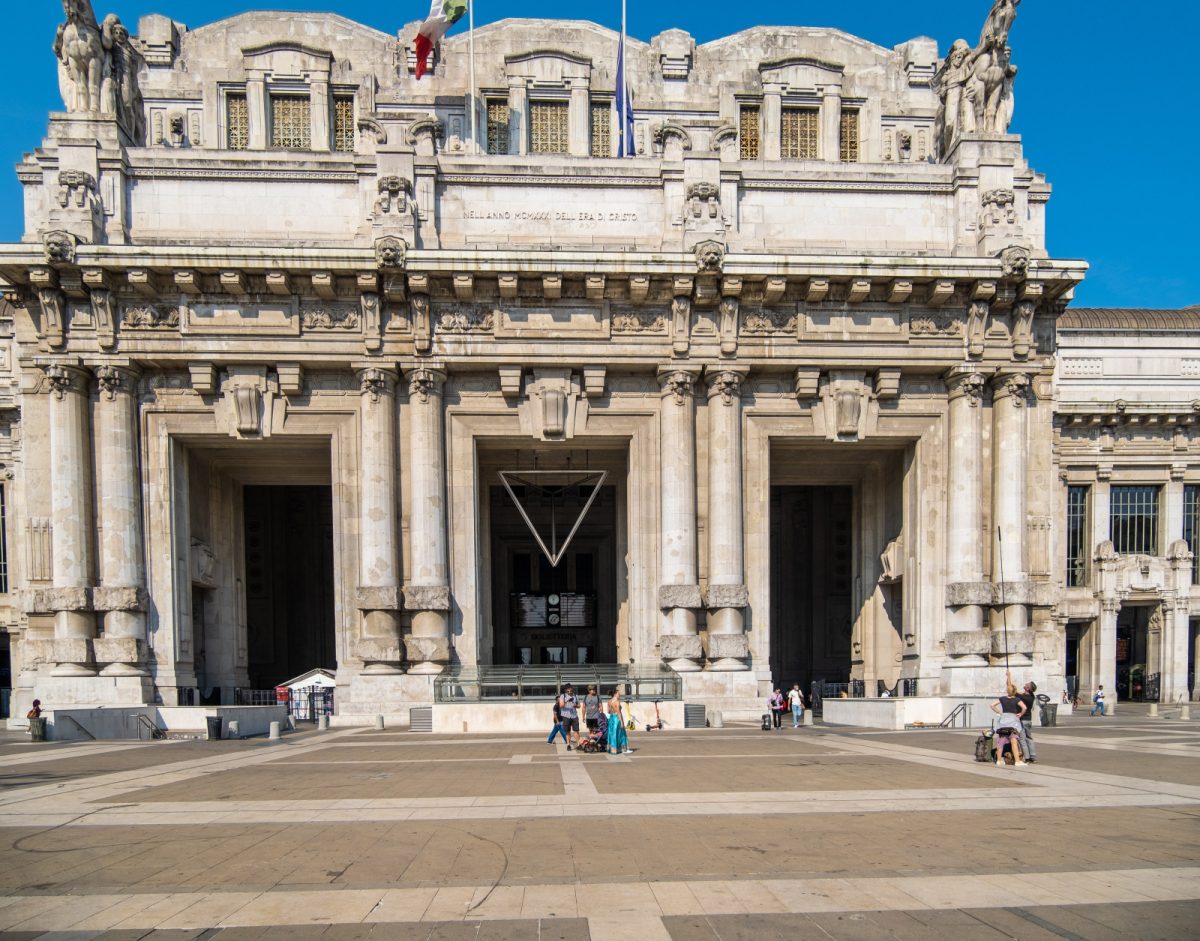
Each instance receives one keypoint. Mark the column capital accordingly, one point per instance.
(1011, 385)
(425, 381)
(377, 381)
(113, 378)
(726, 383)
(965, 382)
(678, 382)
(64, 377)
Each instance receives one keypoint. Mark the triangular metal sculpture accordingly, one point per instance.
(553, 484)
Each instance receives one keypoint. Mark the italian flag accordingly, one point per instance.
(442, 15)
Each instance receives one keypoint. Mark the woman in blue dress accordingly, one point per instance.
(618, 741)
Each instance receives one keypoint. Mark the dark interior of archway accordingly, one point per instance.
(528, 627)
(289, 582)
(812, 575)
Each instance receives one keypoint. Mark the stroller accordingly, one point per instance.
(998, 744)
(597, 741)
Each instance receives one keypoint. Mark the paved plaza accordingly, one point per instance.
(724, 834)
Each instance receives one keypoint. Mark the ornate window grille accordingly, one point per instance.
(800, 134)
(343, 124)
(1191, 527)
(1077, 536)
(549, 127)
(237, 122)
(497, 126)
(291, 122)
(848, 137)
(1134, 520)
(749, 124)
(601, 129)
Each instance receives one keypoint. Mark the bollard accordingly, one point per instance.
(379, 723)
(323, 723)
(808, 719)
(274, 733)
(715, 719)
(1185, 711)
(1153, 710)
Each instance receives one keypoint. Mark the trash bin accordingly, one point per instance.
(1049, 714)
(37, 729)
(214, 727)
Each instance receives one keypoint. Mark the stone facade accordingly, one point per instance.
(265, 254)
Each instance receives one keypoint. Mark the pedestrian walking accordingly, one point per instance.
(776, 704)
(1098, 701)
(796, 701)
(558, 726)
(618, 741)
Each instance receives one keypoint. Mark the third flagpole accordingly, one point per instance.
(623, 91)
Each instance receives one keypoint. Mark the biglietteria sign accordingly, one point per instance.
(561, 492)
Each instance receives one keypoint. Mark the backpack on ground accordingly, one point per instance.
(983, 748)
(766, 723)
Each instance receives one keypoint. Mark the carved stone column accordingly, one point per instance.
(518, 122)
(727, 597)
(71, 513)
(679, 595)
(1010, 457)
(580, 118)
(379, 553)
(427, 594)
(120, 597)
(1176, 630)
(964, 522)
(772, 121)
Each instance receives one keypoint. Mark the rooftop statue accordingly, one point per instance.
(98, 67)
(976, 85)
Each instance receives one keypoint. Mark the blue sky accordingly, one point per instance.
(1107, 100)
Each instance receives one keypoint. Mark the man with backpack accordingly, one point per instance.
(1098, 701)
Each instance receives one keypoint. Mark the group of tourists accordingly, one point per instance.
(779, 705)
(603, 721)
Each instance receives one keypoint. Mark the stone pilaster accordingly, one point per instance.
(831, 124)
(71, 514)
(1105, 652)
(964, 517)
(727, 596)
(120, 598)
(1010, 460)
(427, 594)
(378, 595)
(679, 595)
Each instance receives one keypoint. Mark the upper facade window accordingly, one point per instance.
(343, 124)
(291, 122)
(602, 128)
(1191, 527)
(1077, 535)
(848, 149)
(237, 121)
(549, 127)
(497, 126)
(801, 134)
(1134, 520)
(749, 129)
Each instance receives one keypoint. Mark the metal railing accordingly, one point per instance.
(303, 705)
(146, 724)
(961, 711)
(638, 683)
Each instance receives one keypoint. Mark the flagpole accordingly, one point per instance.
(471, 53)
(623, 91)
